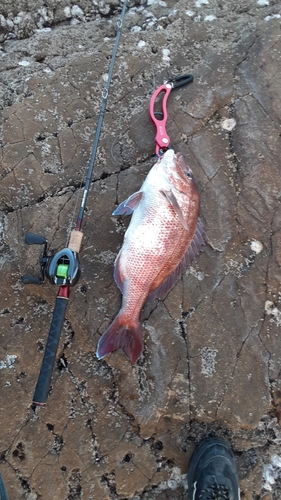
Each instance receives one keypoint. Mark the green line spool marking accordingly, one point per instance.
(62, 271)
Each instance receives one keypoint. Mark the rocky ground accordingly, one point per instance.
(211, 363)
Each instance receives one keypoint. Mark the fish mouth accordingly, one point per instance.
(175, 165)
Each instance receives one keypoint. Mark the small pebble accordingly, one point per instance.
(67, 12)
(77, 12)
(44, 30)
(166, 54)
(273, 16)
(136, 29)
(24, 63)
(198, 3)
(210, 18)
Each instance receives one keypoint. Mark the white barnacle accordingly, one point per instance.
(268, 306)
(256, 246)
(11, 360)
(208, 361)
(273, 311)
(228, 124)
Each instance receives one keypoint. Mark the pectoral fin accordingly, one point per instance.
(128, 206)
(173, 201)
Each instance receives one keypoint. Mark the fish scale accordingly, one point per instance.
(163, 236)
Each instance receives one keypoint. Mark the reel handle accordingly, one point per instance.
(31, 280)
(34, 239)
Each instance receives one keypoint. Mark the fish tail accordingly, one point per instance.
(128, 337)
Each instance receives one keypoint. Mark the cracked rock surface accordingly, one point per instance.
(212, 356)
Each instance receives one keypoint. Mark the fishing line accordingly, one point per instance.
(134, 121)
(122, 135)
(78, 192)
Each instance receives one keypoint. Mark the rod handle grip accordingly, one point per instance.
(45, 375)
(75, 240)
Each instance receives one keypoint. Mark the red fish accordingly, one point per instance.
(163, 237)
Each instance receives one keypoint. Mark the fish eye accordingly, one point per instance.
(189, 175)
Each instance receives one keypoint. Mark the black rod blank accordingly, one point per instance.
(44, 379)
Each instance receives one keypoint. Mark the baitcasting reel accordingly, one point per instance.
(62, 268)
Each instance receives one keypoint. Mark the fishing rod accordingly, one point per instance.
(63, 268)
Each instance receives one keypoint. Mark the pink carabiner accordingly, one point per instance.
(162, 139)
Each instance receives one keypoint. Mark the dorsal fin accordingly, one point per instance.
(193, 250)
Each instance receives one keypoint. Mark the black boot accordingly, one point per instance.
(3, 492)
(212, 473)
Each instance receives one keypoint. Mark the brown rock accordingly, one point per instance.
(211, 362)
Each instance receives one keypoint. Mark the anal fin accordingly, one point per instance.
(118, 276)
